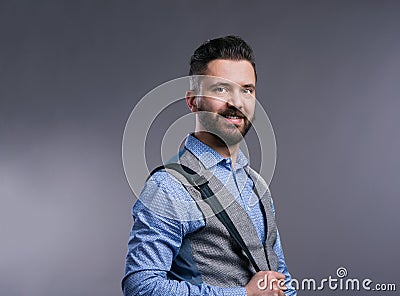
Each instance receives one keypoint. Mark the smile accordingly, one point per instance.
(234, 119)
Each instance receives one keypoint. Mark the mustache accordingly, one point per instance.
(232, 112)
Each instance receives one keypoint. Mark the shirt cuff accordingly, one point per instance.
(236, 291)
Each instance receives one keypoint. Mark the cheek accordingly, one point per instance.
(212, 103)
(250, 106)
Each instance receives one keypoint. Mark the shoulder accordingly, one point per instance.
(166, 183)
(165, 196)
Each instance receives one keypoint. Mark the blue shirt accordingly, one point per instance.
(165, 213)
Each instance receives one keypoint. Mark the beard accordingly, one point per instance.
(216, 124)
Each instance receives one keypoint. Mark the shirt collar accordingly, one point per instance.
(208, 156)
(241, 160)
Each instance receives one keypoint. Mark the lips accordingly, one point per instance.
(234, 120)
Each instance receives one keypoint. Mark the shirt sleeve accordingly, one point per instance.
(155, 240)
(282, 267)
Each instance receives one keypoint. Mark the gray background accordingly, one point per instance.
(71, 72)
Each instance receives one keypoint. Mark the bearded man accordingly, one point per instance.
(188, 250)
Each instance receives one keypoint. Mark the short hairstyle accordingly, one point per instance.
(227, 48)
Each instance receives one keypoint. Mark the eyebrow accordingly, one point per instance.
(220, 84)
(250, 85)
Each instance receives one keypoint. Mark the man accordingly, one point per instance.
(186, 250)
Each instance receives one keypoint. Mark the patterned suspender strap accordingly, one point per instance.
(200, 183)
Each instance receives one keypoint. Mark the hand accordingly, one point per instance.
(266, 283)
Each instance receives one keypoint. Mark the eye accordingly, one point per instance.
(221, 89)
(248, 91)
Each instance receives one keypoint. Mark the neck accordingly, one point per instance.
(218, 145)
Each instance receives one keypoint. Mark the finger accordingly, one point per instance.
(279, 285)
(279, 275)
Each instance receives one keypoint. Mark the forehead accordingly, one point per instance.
(240, 72)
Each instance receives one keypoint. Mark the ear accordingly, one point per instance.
(191, 100)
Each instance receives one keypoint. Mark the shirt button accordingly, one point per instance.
(228, 161)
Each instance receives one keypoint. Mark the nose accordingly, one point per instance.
(236, 99)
